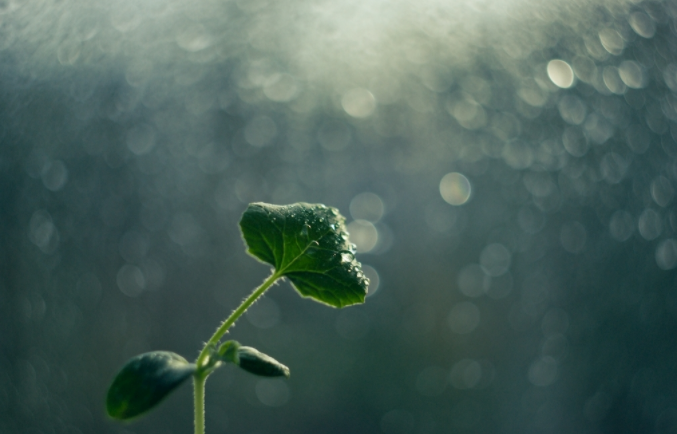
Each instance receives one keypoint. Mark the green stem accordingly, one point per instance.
(199, 381)
(202, 361)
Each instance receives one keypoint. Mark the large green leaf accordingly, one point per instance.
(309, 245)
(144, 381)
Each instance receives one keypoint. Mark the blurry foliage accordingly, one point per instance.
(133, 137)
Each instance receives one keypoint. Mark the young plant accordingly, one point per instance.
(308, 245)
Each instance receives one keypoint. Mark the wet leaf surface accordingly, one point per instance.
(308, 244)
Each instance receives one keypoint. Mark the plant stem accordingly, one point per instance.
(202, 361)
(199, 380)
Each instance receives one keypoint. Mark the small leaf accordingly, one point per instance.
(252, 360)
(309, 245)
(228, 351)
(144, 381)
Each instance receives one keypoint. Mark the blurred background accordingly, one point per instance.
(507, 170)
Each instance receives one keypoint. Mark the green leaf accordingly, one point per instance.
(144, 381)
(253, 361)
(227, 352)
(309, 245)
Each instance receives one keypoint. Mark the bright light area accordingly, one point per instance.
(455, 188)
(561, 73)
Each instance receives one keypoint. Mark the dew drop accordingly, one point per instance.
(666, 254)
(347, 257)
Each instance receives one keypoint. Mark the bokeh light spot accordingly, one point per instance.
(560, 73)
(495, 259)
(621, 225)
(367, 206)
(364, 234)
(666, 254)
(131, 280)
(662, 191)
(374, 279)
(358, 103)
(465, 374)
(281, 88)
(650, 224)
(612, 41)
(472, 281)
(264, 314)
(543, 372)
(141, 139)
(42, 232)
(642, 24)
(631, 74)
(54, 175)
(455, 188)
(193, 38)
(272, 393)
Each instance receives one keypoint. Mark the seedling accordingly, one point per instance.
(308, 245)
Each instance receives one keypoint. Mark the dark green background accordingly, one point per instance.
(584, 342)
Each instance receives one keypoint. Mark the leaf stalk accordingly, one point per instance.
(203, 362)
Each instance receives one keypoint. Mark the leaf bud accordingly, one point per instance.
(252, 360)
